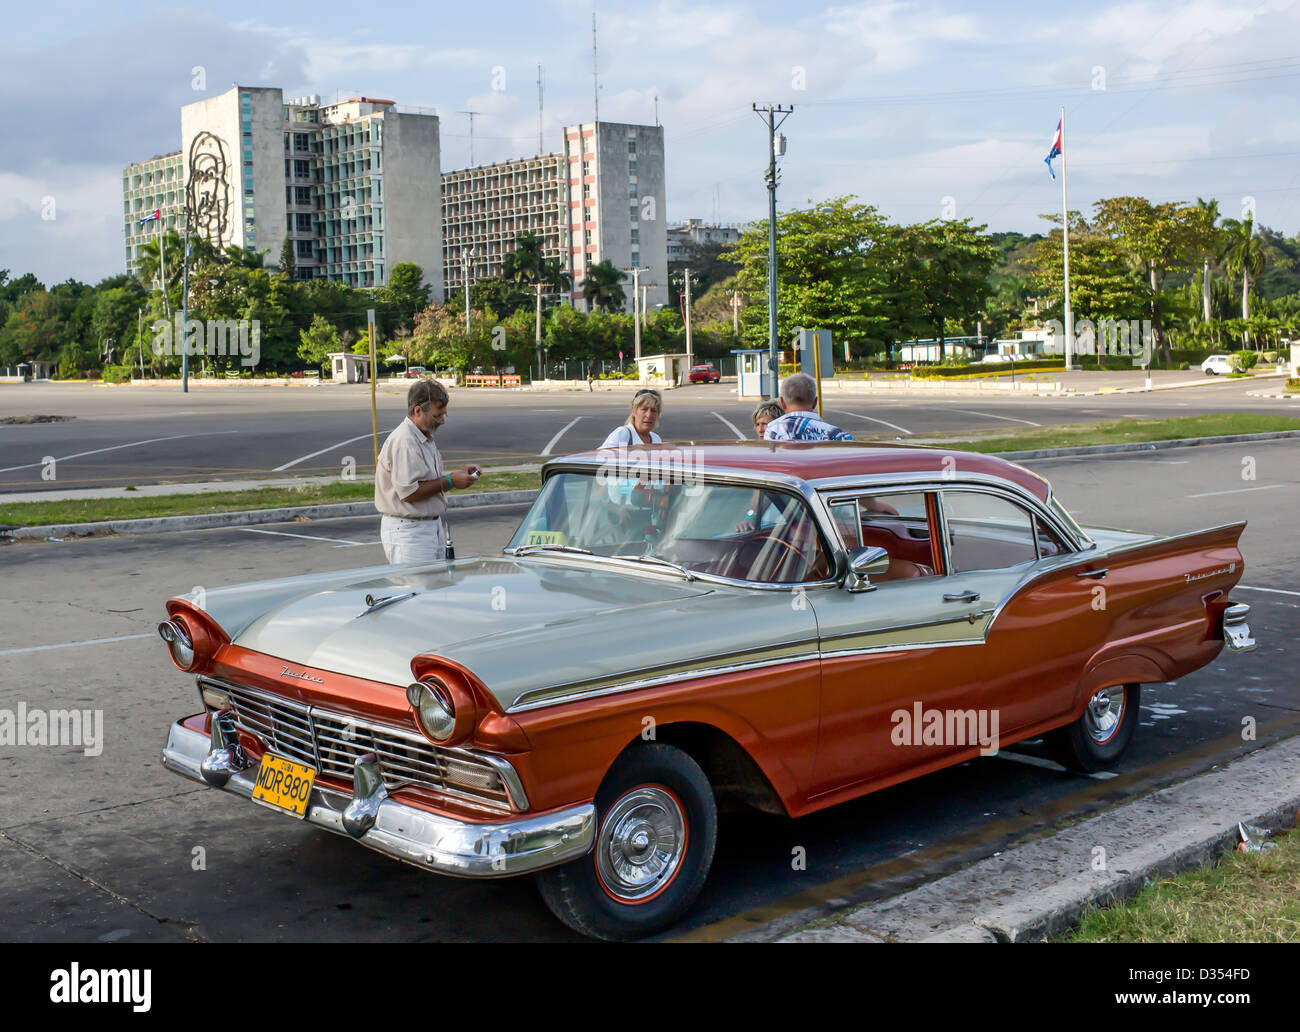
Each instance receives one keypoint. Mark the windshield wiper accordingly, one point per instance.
(529, 549)
(660, 562)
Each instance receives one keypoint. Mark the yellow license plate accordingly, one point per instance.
(284, 785)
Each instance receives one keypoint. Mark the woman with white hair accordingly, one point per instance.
(641, 421)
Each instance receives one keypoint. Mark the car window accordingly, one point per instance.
(897, 522)
(986, 532)
(743, 533)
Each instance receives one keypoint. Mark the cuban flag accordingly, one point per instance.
(1055, 152)
(152, 216)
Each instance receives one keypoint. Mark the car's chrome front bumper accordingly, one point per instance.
(434, 842)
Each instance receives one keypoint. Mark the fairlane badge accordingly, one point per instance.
(304, 676)
(1189, 577)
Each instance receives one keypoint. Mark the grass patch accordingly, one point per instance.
(1132, 431)
(93, 510)
(1244, 897)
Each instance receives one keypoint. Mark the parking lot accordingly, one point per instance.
(119, 436)
(107, 845)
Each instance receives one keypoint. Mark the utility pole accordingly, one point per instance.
(735, 313)
(595, 75)
(540, 145)
(139, 337)
(537, 333)
(645, 289)
(774, 142)
(636, 306)
(185, 308)
(688, 321)
(471, 133)
(374, 362)
(469, 252)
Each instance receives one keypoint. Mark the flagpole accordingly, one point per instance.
(1065, 237)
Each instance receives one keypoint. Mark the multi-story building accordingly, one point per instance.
(694, 233)
(599, 199)
(148, 186)
(485, 208)
(353, 185)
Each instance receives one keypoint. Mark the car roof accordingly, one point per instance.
(823, 460)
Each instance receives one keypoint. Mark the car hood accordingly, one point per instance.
(519, 624)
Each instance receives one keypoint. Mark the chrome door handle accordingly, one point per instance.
(962, 596)
(1099, 574)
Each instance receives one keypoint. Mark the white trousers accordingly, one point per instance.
(412, 541)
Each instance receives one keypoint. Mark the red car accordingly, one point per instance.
(784, 625)
(705, 374)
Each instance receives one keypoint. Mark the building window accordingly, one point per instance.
(631, 189)
(635, 234)
(636, 258)
(631, 168)
(302, 248)
(631, 146)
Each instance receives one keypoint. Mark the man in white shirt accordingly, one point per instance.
(410, 483)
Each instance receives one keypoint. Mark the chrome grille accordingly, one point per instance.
(332, 742)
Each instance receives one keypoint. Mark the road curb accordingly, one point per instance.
(248, 517)
(1141, 446)
(1042, 888)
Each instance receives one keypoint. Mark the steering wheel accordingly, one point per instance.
(790, 550)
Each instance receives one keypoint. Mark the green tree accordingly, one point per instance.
(1156, 239)
(287, 263)
(1244, 255)
(955, 261)
(602, 287)
(318, 342)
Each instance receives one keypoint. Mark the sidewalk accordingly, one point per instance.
(1041, 888)
(208, 486)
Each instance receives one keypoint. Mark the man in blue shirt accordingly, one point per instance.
(801, 422)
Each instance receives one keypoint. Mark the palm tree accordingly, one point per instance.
(602, 286)
(245, 257)
(1244, 255)
(148, 268)
(1211, 208)
(525, 264)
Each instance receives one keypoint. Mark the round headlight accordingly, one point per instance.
(182, 647)
(434, 709)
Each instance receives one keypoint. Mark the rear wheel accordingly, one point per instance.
(1100, 736)
(657, 825)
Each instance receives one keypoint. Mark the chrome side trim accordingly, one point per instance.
(431, 841)
(966, 618)
(537, 698)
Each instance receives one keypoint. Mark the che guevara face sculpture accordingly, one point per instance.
(208, 191)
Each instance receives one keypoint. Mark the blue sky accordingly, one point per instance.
(925, 109)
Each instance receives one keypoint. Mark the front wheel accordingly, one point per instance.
(657, 826)
(1100, 736)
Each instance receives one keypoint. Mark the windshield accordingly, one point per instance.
(744, 533)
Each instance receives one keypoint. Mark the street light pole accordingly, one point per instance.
(771, 111)
(468, 253)
(636, 306)
(185, 309)
(689, 349)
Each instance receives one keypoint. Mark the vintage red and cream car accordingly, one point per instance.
(787, 625)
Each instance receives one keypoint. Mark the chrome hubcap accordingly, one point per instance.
(641, 843)
(1105, 711)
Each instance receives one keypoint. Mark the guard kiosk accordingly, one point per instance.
(753, 375)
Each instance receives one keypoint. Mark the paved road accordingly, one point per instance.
(113, 847)
(143, 435)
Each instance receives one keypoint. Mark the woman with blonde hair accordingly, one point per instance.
(641, 421)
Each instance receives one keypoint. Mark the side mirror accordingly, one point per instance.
(863, 564)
